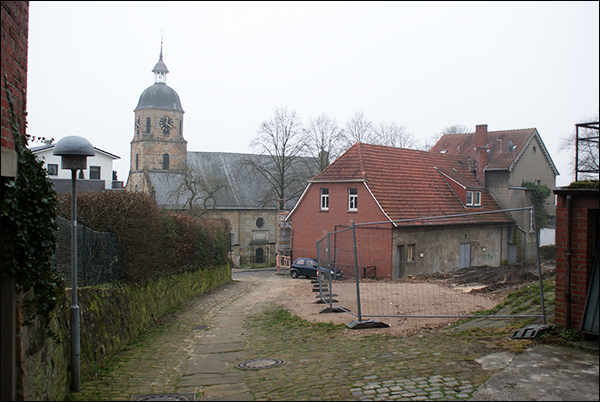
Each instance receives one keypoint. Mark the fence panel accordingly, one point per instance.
(438, 267)
(96, 255)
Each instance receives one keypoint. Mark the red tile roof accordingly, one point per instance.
(504, 147)
(409, 184)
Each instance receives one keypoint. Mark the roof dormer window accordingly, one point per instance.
(473, 198)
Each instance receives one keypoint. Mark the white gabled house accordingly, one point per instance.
(98, 176)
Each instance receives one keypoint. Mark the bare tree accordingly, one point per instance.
(323, 141)
(193, 186)
(391, 134)
(586, 149)
(358, 129)
(453, 129)
(279, 140)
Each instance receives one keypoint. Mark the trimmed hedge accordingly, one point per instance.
(151, 242)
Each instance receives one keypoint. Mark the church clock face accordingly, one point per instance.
(166, 123)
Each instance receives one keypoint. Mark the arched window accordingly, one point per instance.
(137, 161)
(180, 127)
(148, 124)
(165, 161)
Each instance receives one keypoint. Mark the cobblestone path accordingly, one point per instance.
(322, 362)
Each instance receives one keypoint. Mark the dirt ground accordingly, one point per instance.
(483, 287)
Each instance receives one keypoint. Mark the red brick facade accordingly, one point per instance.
(14, 29)
(576, 238)
(311, 223)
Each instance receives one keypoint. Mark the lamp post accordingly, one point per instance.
(74, 151)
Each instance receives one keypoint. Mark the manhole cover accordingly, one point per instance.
(259, 364)
(200, 327)
(188, 396)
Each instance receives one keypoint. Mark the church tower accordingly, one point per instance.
(158, 144)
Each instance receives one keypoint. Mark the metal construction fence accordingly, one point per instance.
(410, 269)
(96, 254)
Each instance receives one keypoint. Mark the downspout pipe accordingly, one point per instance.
(568, 263)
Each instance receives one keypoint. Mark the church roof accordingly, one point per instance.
(159, 96)
(245, 187)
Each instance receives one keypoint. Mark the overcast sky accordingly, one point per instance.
(424, 65)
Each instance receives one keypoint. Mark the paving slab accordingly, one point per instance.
(545, 373)
(220, 348)
(204, 380)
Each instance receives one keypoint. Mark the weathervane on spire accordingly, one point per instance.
(161, 43)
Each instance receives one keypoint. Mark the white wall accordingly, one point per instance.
(104, 161)
(547, 236)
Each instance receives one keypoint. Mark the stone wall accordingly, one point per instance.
(110, 318)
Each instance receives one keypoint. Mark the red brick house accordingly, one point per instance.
(391, 186)
(577, 243)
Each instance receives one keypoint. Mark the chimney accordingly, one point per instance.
(480, 145)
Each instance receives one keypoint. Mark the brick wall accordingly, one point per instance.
(310, 223)
(14, 20)
(14, 30)
(584, 237)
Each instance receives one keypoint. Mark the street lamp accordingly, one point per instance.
(74, 151)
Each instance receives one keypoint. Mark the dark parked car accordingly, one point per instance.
(307, 267)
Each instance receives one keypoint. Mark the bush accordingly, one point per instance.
(548, 252)
(151, 242)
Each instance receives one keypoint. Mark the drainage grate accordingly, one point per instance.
(200, 327)
(187, 396)
(259, 364)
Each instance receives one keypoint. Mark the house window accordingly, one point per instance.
(165, 162)
(95, 172)
(324, 199)
(353, 199)
(137, 161)
(147, 124)
(260, 222)
(52, 169)
(180, 127)
(473, 198)
(410, 252)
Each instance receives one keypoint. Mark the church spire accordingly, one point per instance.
(160, 69)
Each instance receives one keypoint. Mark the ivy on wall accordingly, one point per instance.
(539, 195)
(28, 225)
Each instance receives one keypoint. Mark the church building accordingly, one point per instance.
(217, 184)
